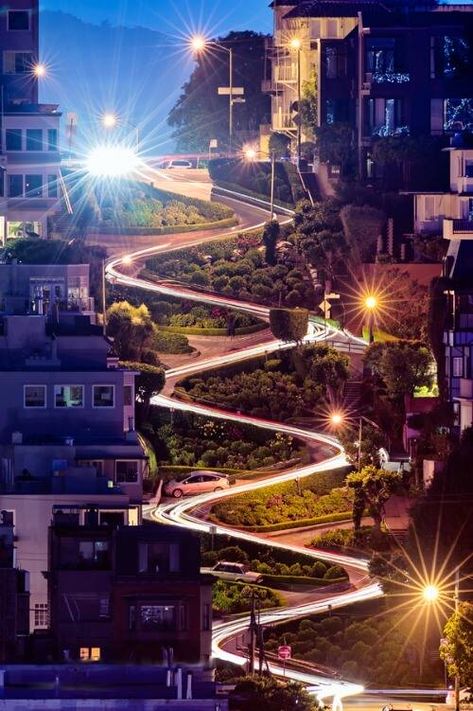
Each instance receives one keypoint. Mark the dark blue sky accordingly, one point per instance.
(172, 16)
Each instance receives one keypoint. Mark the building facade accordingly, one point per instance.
(123, 594)
(67, 427)
(391, 68)
(14, 596)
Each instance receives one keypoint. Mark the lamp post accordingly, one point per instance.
(296, 45)
(338, 418)
(250, 155)
(431, 594)
(370, 303)
(200, 44)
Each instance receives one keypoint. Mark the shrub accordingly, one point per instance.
(171, 343)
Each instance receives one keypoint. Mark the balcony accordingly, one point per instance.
(283, 122)
(457, 229)
(286, 73)
(465, 185)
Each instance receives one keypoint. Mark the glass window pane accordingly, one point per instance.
(15, 185)
(13, 139)
(34, 139)
(104, 396)
(35, 396)
(52, 139)
(68, 396)
(18, 20)
(34, 185)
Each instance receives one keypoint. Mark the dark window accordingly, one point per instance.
(335, 62)
(127, 471)
(380, 55)
(94, 553)
(104, 396)
(206, 617)
(13, 139)
(158, 617)
(52, 139)
(17, 62)
(18, 20)
(337, 110)
(52, 186)
(34, 139)
(15, 187)
(453, 57)
(34, 185)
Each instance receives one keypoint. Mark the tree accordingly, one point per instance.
(372, 487)
(279, 144)
(271, 231)
(269, 694)
(289, 324)
(372, 439)
(130, 327)
(200, 114)
(401, 366)
(149, 382)
(308, 105)
(336, 145)
(457, 645)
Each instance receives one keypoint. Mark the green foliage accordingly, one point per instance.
(289, 324)
(270, 694)
(318, 496)
(131, 329)
(149, 381)
(372, 487)
(279, 144)
(271, 232)
(372, 439)
(165, 342)
(308, 105)
(336, 143)
(254, 176)
(402, 366)
(231, 598)
(457, 645)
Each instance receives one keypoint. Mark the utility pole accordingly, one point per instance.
(456, 594)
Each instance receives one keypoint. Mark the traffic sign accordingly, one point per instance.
(284, 651)
(235, 91)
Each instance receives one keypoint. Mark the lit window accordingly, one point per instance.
(68, 396)
(84, 654)
(18, 20)
(89, 654)
(158, 617)
(104, 395)
(95, 654)
(34, 395)
(41, 614)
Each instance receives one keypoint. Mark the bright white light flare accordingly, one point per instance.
(111, 161)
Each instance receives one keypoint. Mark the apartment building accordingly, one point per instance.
(123, 594)
(30, 178)
(67, 431)
(390, 68)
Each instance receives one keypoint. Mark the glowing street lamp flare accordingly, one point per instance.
(250, 153)
(296, 43)
(431, 593)
(127, 260)
(111, 161)
(39, 70)
(198, 43)
(371, 302)
(109, 120)
(336, 418)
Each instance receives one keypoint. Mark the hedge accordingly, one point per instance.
(326, 518)
(234, 187)
(291, 580)
(170, 230)
(195, 331)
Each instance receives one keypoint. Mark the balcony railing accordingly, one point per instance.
(456, 229)
(465, 184)
(286, 73)
(283, 121)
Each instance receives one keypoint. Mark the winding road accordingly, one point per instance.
(186, 513)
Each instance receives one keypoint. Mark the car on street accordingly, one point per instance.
(179, 163)
(201, 482)
(237, 572)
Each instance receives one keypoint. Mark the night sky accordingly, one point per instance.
(172, 16)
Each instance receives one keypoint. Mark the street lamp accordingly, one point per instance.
(296, 45)
(370, 303)
(199, 44)
(39, 70)
(338, 418)
(110, 120)
(251, 154)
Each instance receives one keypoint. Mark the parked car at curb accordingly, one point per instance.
(238, 572)
(179, 163)
(201, 482)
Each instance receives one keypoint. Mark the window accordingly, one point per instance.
(337, 110)
(18, 20)
(34, 186)
(126, 471)
(458, 114)
(132, 617)
(380, 56)
(90, 654)
(68, 396)
(158, 617)
(457, 367)
(335, 62)
(94, 553)
(104, 395)
(17, 62)
(15, 186)
(385, 118)
(13, 139)
(206, 617)
(128, 395)
(34, 139)
(104, 607)
(52, 186)
(41, 614)
(34, 395)
(452, 57)
(52, 139)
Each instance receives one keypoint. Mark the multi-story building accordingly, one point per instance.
(14, 596)
(386, 67)
(67, 432)
(121, 593)
(30, 178)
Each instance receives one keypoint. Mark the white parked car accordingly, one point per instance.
(201, 482)
(179, 163)
(233, 571)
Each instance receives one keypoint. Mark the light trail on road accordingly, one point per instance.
(183, 513)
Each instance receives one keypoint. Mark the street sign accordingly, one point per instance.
(213, 143)
(284, 651)
(235, 91)
(325, 306)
